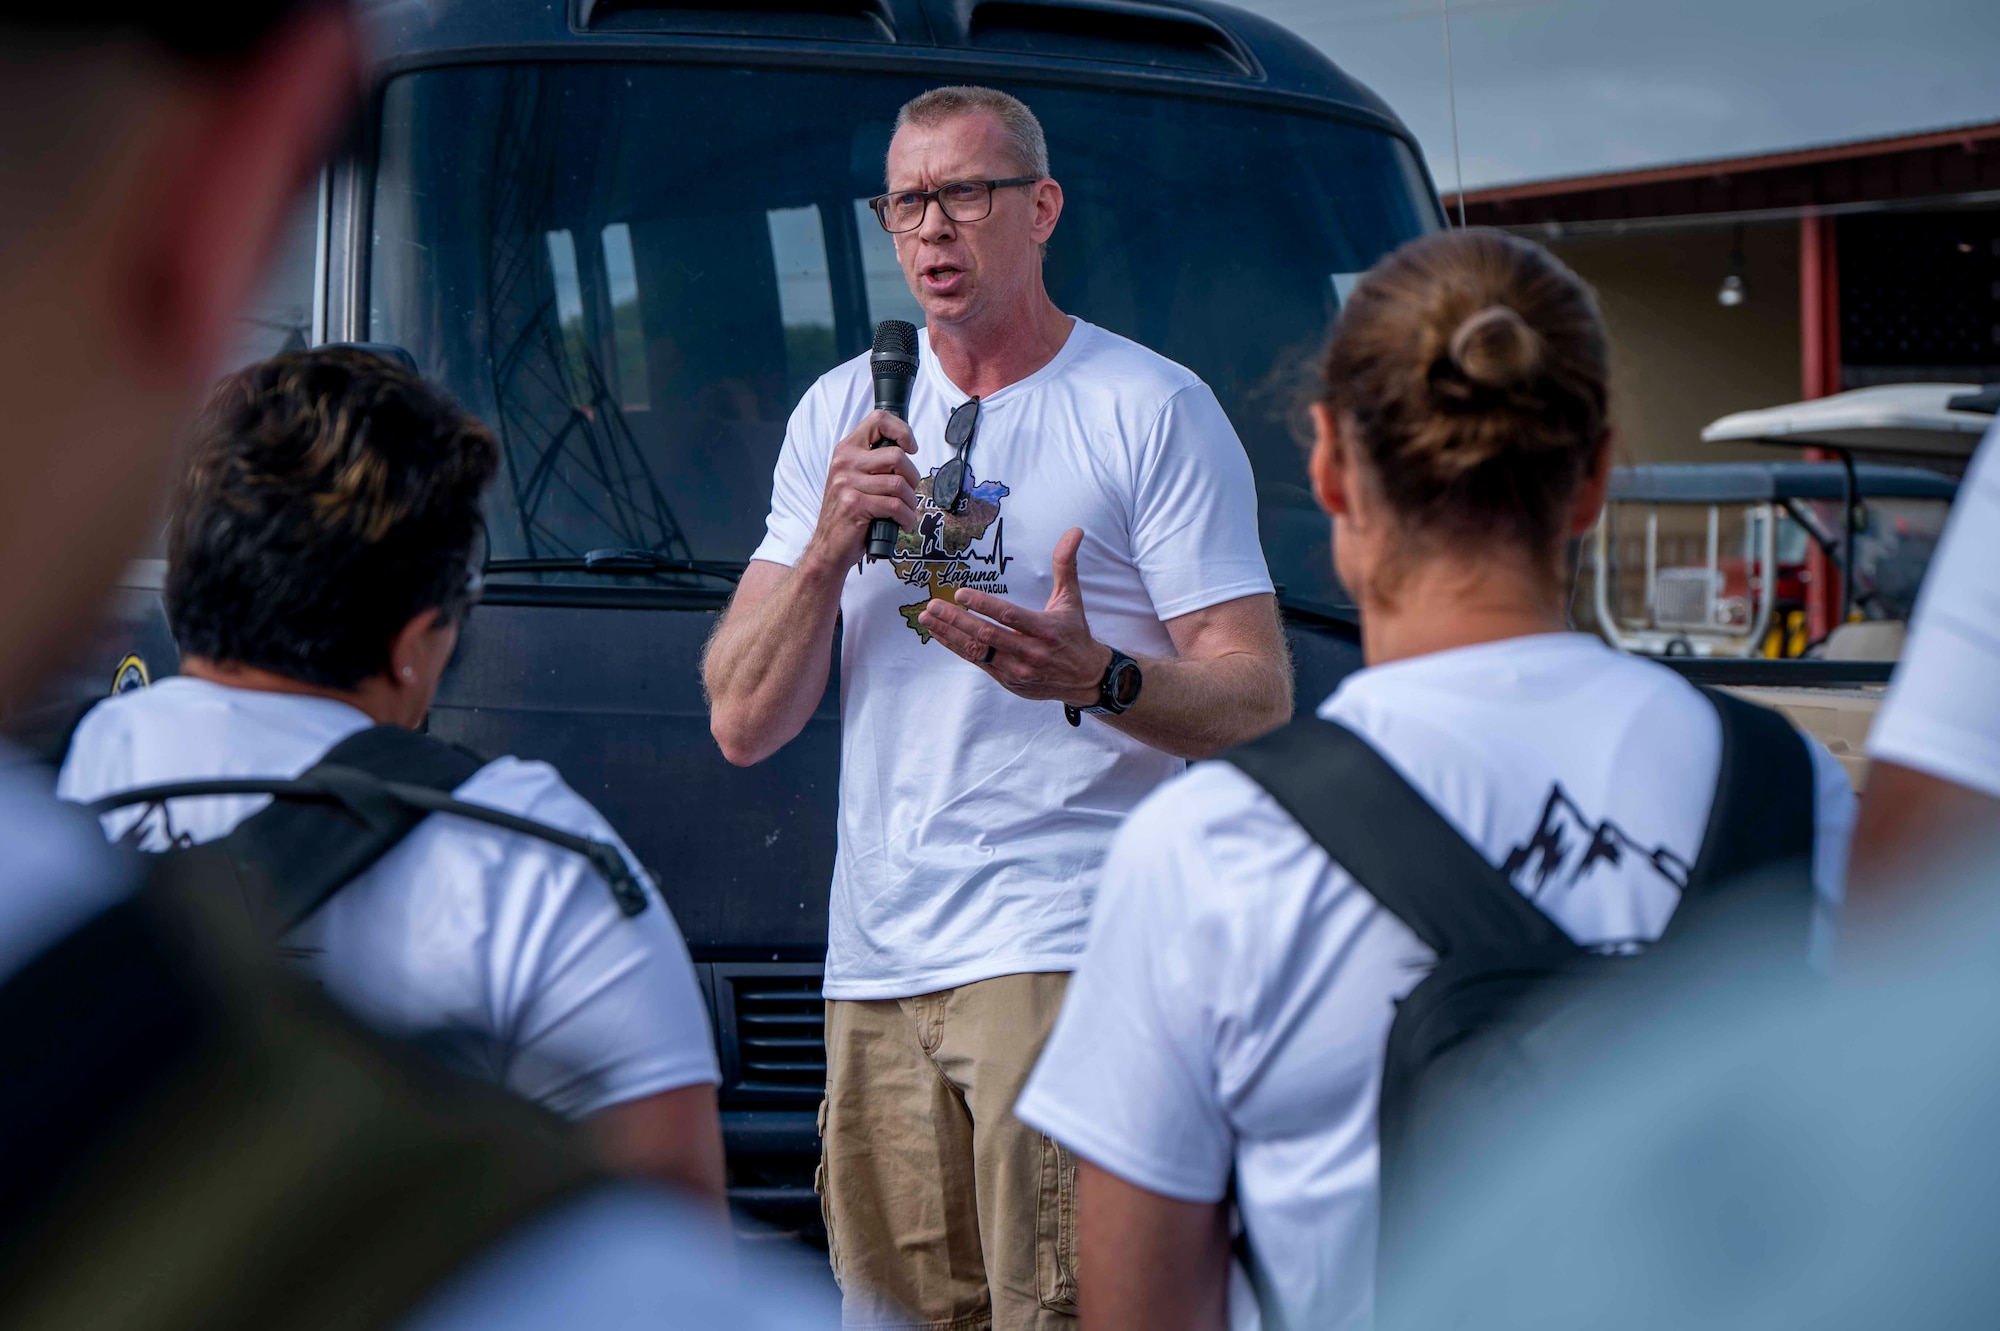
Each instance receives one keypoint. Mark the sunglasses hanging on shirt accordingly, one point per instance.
(948, 488)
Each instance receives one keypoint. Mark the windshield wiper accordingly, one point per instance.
(616, 562)
(1345, 619)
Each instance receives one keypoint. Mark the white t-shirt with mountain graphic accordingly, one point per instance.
(1232, 1009)
(973, 822)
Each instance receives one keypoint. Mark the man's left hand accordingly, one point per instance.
(1046, 655)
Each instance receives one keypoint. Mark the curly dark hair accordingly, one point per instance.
(332, 495)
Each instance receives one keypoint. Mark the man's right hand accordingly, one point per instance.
(863, 483)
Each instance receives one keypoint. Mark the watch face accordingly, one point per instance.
(1125, 681)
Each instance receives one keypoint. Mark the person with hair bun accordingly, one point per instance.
(1223, 1040)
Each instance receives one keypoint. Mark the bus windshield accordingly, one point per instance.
(633, 271)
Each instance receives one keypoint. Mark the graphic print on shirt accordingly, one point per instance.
(153, 829)
(1568, 844)
(950, 550)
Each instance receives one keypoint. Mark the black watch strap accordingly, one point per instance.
(1121, 667)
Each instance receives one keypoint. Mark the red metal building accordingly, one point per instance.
(1914, 218)
(1743, 283)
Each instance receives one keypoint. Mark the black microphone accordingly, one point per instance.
(894, 364)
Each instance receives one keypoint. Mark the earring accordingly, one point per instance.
(409, 673)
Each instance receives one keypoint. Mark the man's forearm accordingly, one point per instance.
(1229, 681)
(765, 665)
(1195, 709)
(1911, 825)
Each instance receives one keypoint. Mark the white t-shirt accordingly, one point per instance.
(505, 953)
(973, 822)
(1233, 1006)
(1942, 715)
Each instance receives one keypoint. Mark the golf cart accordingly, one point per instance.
(1724, 559)
(1832, 681)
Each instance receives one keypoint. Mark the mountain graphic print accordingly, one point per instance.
(1568, 845)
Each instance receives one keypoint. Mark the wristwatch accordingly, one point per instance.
(1116, 692)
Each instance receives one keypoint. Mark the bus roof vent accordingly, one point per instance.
(1127, 32)
(799, 20)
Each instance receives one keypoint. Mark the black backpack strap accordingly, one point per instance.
(351, 808)
(307, 852)
(1765, 791)
(1752, 879)
(1381, 830)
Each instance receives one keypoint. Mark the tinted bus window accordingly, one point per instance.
(634, 271)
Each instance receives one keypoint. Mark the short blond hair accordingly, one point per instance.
(1024, 132)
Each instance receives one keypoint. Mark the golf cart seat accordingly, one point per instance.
(1867, 640)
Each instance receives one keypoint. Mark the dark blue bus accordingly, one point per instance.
(629, 233)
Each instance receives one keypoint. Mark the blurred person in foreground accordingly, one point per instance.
(191, 1138)
(322, 557)
(1760, 1155)
(1934, 782)
(1224, 1040)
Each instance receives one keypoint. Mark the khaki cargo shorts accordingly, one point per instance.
(944, 1211)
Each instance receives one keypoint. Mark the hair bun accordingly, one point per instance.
(1497, 350)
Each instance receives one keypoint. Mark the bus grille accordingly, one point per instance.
(774, 1032)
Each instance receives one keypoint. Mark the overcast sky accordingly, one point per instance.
(1564, 87)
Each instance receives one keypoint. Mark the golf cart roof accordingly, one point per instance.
(1765, 482)
(1923, 420)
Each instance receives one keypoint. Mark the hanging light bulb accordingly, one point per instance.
(1734, 289)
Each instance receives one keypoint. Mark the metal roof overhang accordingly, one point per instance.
(1945, 168)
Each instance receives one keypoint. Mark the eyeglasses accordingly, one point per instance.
(960, 200)
(948, 490)
(475, 564)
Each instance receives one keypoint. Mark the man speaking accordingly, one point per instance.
(1077, 603)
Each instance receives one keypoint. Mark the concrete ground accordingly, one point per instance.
(799, 1256)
